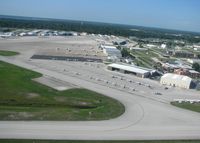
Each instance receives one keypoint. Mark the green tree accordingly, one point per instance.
(196, 67)
(125, 53)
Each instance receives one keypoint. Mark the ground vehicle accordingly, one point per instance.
(158, 93)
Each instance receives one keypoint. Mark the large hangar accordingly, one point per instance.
(176, 80)
(128, 69)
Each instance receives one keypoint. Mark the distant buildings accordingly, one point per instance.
(184, 54)
(177, 81)
(194, 74)
(175, 65)
(46, 33)
(6, 34)
(83, 34)
(151, 46)
(22, 34)
(178, 53)
(186, 72)
(138, 49)
(31, 34)
(67, 33)
(163, 46)
(196, 47)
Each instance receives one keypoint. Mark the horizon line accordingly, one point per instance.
(139, 26)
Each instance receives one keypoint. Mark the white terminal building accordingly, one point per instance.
(112, 52)
(130, 69)
(176, 80)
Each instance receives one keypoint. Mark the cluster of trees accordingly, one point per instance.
(93, 27)
(196, 67)
(125, 53)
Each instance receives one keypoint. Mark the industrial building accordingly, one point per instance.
(111, 51)
(129, 69)
(187, 72)
(175, 65)
(176, 80)
(184, 54)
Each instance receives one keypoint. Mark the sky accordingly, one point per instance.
(170, 14)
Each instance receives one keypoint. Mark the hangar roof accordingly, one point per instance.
(108, 47)
(177, 77)
(130, 68)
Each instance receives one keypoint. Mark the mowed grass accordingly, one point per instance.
(190, 106)
(23, 99)
(8, 53)
(55, 141)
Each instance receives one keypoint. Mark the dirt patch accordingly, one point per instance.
(60, 99)
(83, 103)
(25, 114)
(54, 83)
(19, 116)
(32, 95)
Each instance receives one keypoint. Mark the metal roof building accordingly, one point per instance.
(129, 69)
(111, 51)
(176, 80)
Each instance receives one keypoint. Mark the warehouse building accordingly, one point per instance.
(128, 69)
(177, 81)
(111, 51)
(184, 54)
(187, 72)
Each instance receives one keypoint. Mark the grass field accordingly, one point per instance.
(23, 99)
(8, 53)
(194, 107)
(144, 57)
(46, 141)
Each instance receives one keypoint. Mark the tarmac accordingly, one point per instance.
(147, 116)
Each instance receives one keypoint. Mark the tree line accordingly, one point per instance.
(96, 28)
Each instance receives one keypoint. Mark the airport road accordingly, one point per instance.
(143, 119)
